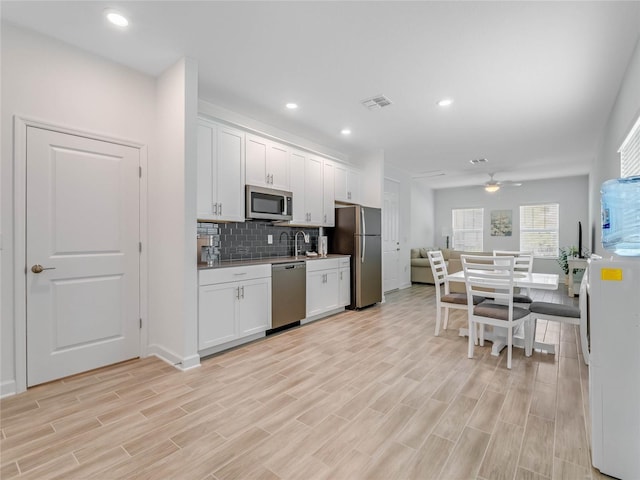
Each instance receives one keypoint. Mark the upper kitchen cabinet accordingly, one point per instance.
(306, 185)
(347, 184)
(328, 194)
(267, 163)
(220, 172)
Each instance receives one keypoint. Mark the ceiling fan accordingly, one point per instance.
(493, 185)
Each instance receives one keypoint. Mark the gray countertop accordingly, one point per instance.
(267, 261)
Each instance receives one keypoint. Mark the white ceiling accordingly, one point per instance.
(533, 82)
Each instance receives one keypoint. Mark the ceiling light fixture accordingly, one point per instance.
(116, 18)
(492, 187)
(291, 106)
(345, 131)
(445, 102)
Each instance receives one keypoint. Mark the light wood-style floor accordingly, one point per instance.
(361, 395)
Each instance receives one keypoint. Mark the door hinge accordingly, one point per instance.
(140, 247)
(140, 323)
(140, 172)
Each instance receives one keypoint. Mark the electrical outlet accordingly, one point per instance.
(270, 239)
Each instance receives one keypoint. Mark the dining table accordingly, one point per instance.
(498, 337)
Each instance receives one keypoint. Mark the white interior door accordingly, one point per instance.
(390, 236)
(82, 254)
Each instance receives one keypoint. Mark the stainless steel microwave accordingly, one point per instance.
(268, 204)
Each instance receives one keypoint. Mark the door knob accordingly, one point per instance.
(39, 268)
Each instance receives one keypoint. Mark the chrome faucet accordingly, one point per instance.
(305, 239)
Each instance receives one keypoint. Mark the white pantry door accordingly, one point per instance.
(82, 258)
(390, 235)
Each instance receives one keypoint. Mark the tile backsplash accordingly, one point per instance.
(248, 240)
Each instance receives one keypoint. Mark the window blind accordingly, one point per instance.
(467, 229)
(539, 226)
(630, 152)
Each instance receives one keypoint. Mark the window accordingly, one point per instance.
(467, 229)
(539, 229)
(630, 153)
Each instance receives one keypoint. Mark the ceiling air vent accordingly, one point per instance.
(478, 161)
(374, 103)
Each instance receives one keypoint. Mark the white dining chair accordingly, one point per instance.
(497, 273)
(523, 263)
(569, 314)
(444, 298)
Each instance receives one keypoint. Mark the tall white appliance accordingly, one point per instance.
(614, 366)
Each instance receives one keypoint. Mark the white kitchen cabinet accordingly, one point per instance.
(306, 185)
(323, 286)
(220, 156)
(328, 194)
(233, 303)
(347, 184)
(344, 279)
(267, 163)
(217, 323)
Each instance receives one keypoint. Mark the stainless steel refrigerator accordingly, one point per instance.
(357, 232)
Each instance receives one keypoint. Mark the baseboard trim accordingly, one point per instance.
(8, 388)
(172, 359)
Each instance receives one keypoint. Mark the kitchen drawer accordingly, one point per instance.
(233, 274)
(345, 262)
(323, 264)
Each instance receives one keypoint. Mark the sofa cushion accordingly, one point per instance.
(420, 262)
(423, 253)
(456, 254)
(415, 253)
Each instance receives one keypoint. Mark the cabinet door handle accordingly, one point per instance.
(238, 293)
(267, 179)
(325, 218)
(242, 291)
(220, 205)
(214, 207)
(272, 179)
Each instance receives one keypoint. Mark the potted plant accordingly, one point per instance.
(564, 255)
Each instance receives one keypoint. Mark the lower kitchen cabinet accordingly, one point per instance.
(233, 303)
(325, 290)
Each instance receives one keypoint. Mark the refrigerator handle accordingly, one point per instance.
(364, 225)
(364, 246)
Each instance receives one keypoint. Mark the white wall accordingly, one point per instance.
(423, 217)
(571, 193)
(624, 113)
(47, 80)
(404, 221)
(172, 213)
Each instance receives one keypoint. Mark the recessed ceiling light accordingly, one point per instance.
(116, 18)
(291, 106)
(445, 102)
(345, 131)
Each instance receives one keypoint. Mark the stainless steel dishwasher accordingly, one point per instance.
(288, 293)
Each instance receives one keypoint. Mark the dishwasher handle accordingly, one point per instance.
(288, 266)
